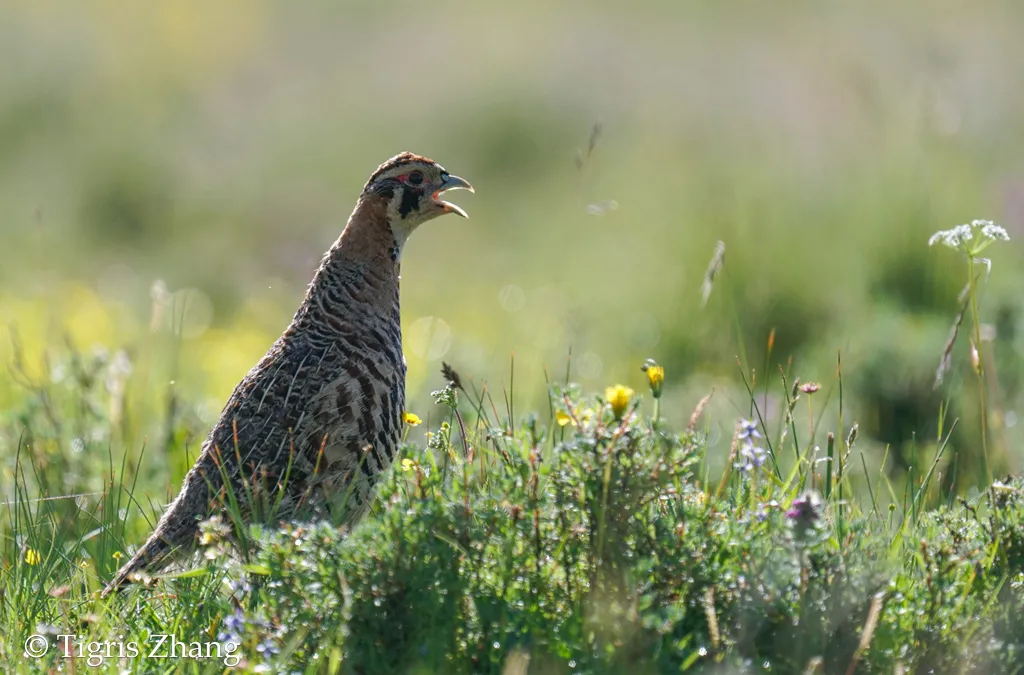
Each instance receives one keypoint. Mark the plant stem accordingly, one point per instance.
(980, 369)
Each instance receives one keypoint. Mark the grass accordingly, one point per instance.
(590, 538)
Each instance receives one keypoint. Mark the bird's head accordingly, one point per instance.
(412, 187)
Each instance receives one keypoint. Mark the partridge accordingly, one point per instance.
(315, 423)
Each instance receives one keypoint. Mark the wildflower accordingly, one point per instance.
(412, 419)
(748, 430)
(233, 628)
(117, 555)
(446, 396)
(240, 586)
(408, 464)
(954, 238)
(563, 418)
(984, 232)
(751, 456)
(32, 557)
(655, 376)
(804, 513)
(810, 387)
(619, 397)
(267, 648)
(991, 230)
(212, 532)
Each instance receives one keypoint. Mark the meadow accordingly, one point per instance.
(744, 193)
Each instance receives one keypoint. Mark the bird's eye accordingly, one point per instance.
(415, 178)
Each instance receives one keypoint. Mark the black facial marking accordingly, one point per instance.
(393, 253)
(410, 202)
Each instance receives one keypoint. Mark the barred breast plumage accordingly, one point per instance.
(315, 422)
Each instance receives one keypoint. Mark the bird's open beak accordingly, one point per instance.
(452, 183)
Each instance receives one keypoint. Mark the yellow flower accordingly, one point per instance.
(32, 556)
(618, 396)
(655, 376)
(407, 464)
(563, 418)
(117, 555)
(411, 419)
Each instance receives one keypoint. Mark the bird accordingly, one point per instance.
(315, 423)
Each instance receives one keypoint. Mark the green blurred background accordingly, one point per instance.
(170, 174)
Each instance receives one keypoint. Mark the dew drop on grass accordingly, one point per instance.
(572, 664)
(496, 645)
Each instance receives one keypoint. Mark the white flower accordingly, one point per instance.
(985, 232)
(991, 230)
(952, 238)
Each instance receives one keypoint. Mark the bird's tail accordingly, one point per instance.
(156, 553)
(175, 532)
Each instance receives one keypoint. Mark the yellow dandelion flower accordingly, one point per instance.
(412, 419)
(563, 418)
(619, 397)
(655, 376)
(32, 556)
(407, 464)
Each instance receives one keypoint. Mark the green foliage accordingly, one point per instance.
(587, 539)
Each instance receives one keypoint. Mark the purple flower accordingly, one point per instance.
(804, 513)
(751, 456)
(748, 431)
(234, 626)
(240, 586)
(804, 508)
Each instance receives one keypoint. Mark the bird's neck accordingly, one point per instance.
(368, 238)
(359, 276)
